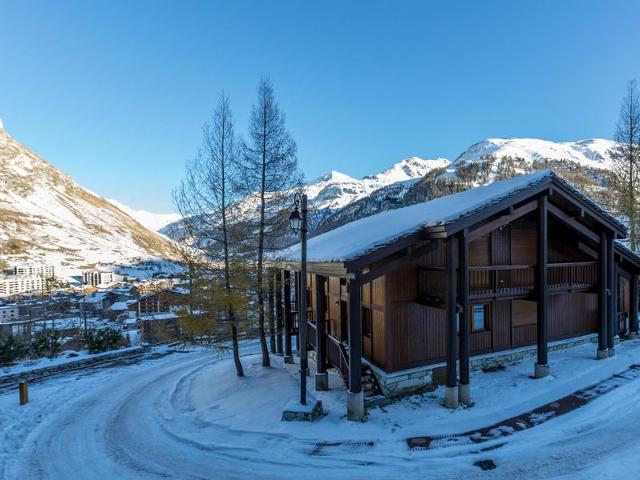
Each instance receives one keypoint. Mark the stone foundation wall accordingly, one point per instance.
(409, 381)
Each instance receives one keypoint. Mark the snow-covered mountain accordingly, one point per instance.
(592, 153)
(336, 190)
(46, 215)
(153, 221)
(337, 198)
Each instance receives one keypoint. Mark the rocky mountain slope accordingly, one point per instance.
(45, 215)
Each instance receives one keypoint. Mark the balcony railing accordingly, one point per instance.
(337, 353)
(520, 279)
(507, 280)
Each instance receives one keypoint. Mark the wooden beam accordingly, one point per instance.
(494, 209)
(573, 223)
(298, 285)
(611, 290)
(277, 283)
(633, 311)
(355, 336)
(395, 264)
(513, 215)
(272, 319)
(321, 325)
(464, 327)
(587, 209)
(602, 298)
(383, 251)
(288, 316)
(328, 269)
(588, 250)
(541, 281)
(452, 313)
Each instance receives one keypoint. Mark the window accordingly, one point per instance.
(366, 321)
(479, 317)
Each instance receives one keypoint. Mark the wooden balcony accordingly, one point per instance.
(519, 280)
(512, 280)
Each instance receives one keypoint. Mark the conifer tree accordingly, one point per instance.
(626, 173)
(270, 171)
(205, 199)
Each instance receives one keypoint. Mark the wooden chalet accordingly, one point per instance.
(427, 291)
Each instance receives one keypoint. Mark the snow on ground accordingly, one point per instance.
(187, 416)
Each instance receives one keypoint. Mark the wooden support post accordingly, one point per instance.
(611, 301)
(633, 310)
(465, 320)
(602, 298)
(542, 294)
(272, 320)
(279, 312)
(451, 391)
(23, 388)
(288, 317)
(355, 397)
(322, 378)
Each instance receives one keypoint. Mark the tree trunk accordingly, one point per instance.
(266, 361)
(234, 343)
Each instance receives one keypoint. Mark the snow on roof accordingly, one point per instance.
(365, 235)
(623, 245)
(95, 297)
(118, 306)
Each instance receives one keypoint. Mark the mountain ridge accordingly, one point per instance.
(46, 216)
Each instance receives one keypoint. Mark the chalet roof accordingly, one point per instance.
(625, 251)
(363, 236)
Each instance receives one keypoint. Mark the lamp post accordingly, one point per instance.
(298, 224)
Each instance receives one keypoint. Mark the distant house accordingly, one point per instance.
(119, 308)
(422, 293)
(8, 312)
(98, 302)
(159, 327)
(169, 300)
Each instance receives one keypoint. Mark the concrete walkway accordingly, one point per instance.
(531, 418)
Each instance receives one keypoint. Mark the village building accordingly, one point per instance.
(17, 284)
(169, 300)
(424, 293)
(8, 312)
(98, 278)
(97, 302)
(34, 268)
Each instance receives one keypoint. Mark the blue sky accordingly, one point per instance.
(115, 92)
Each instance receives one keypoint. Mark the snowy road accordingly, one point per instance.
(187, 416)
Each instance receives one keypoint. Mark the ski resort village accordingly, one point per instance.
(347, 240)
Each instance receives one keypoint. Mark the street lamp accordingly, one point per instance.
(298, 224)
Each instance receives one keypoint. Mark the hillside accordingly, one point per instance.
(45, 214)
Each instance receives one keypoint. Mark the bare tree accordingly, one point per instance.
(205, 198)
(270, 171)
(626, 174)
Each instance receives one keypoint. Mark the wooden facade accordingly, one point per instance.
(534, 269)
